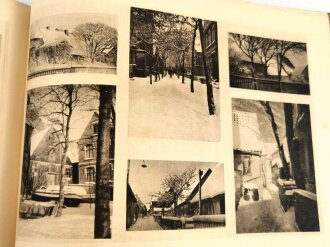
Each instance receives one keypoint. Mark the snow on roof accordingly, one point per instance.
(300, 69)
(52, 37)
(213, 186)
(246, 136)
(37, 137)
(80, 121)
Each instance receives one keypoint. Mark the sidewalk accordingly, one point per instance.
(167, 109)
(265, 216)
(145, 224)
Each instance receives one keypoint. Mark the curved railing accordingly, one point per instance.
(75, 69)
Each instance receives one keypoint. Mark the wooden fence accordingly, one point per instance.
(268, 85)
(198, 221)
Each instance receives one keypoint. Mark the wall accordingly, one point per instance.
(12, 93)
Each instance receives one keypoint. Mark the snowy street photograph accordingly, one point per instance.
(266, 64)
(275, 187)
(72, 43)
(185, 195)
(68, 162)
(174, 77)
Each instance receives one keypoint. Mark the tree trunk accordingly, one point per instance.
(70, 90)
(279, 67)
(192, 89)
(265, 71)
(156, 69)
(150, 69)
(252, 67)
(62, 182)
(102, 193)
(209, 88)
(271, 118)
(293, 146)
(183, 70)
(26, 174)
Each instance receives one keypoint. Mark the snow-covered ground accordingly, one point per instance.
(167, 109)
(75, 223)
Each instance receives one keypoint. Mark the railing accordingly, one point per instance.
(76, 69)
(169, 222)
(268, 85)
(203, 221)
(199, 221)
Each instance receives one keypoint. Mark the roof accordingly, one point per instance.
(52, 37)
(212, 185)
(37, 137)
(246, 135)
(79, 123)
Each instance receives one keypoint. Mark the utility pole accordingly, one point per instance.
(200, 174)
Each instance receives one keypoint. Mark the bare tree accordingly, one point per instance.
(57, 104)
(282, 48)
(173, 187)
(97, 37)
(103, 176)
(249, 45)
(265, 53)
(270, 115)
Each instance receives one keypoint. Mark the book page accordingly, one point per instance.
(161, 124)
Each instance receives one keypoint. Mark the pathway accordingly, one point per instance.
(265, 216)
(167, 109)
(145, 224)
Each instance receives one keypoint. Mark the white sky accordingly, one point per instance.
(70, 21)
(145, 181)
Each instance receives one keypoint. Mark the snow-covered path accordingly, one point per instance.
(167, 109)
(145, 224)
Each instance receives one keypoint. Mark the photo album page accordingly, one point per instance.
(164, 123)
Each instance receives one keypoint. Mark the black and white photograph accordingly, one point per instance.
(73, 43)
(174, 77)
(275, 187)
(68, 162)
(174, 195)
(268, 64)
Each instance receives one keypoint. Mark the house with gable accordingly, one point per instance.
(247, 144)
(55, 46)
(46, 153)
(87, 150)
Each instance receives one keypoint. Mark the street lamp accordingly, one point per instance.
(144, 165)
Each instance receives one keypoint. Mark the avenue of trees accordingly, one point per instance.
(57, 104)
(169, 41)
(262, 51)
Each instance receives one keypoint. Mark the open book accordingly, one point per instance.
(155, 123)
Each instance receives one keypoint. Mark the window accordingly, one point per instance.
(89, 151)
(95, 127)
(51, 140)
(68, 172)
(90, 173)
